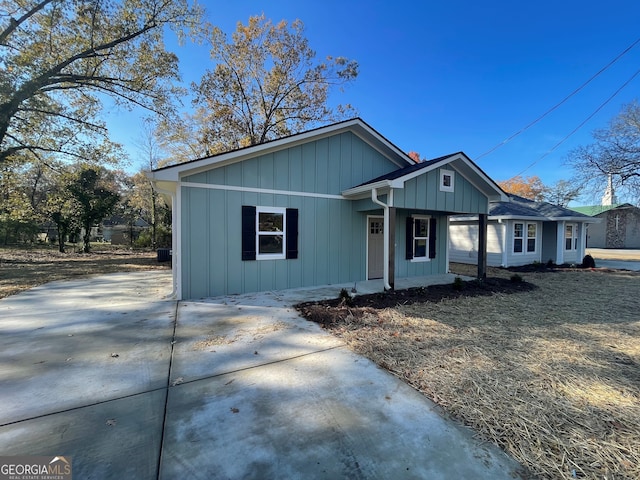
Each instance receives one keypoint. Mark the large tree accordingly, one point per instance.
(266, 84)
(527, 187)
(616, 152)
(60, 58)
(94, 192)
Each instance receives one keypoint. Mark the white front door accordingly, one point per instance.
(375, 247)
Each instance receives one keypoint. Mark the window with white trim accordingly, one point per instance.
(420, 238)
(524, 231)
(270, 233)
(531, 237)
(446, 180)
(571, 236)
(518, 237)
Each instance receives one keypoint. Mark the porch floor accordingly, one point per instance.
(325, 292)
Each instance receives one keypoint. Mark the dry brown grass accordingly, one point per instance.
(551, 375)
(21, 268)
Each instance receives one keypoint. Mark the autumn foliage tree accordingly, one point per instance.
(266, 84)
(527, 187)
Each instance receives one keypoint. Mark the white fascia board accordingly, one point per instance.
(500, 196)
(365, 190)
(460, 157)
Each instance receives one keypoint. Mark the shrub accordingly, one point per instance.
(345, 297)
(458, 284)
(516, 278)
(588, 262)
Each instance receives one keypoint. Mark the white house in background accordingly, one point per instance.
(520, 232)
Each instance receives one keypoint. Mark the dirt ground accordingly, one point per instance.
(24, 268)
(548, 368)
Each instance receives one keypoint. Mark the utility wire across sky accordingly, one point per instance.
(593, 77)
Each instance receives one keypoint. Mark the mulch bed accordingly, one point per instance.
(547, 368)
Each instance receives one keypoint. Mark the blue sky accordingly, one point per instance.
(441, 77)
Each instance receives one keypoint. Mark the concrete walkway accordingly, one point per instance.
(131, 384)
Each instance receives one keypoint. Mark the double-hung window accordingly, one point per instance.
(421, 238)
(269, 233)
(518, 237)
(521, 232)
(571, 236)
(531, 237)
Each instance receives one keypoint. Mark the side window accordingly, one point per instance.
(269, 233)
(518, 237)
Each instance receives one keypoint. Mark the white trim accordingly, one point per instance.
(525, 237)
(260, 190)
(446, 258)
(176, 216)
(272, 256)
(452, 177)
(574, 237)
(413, 240)
(505, 243)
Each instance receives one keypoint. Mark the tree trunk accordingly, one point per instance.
(86, 239)
(61, 236)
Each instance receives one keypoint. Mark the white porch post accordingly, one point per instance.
(582, 242)
(560, 244)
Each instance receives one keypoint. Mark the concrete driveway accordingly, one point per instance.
(131, 384)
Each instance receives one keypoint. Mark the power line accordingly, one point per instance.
(546, 154)
(504, 142)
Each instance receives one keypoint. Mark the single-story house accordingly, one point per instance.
(618, 227)
(521, 232)
(332, 205)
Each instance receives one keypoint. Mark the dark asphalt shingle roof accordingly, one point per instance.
(523, 207)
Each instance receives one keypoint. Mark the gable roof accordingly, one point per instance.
(459, 161)
(520, 208)
(523, 208)
(593, 210)
(357, 126)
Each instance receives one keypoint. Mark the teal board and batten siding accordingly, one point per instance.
(326, 166)
(331, 234)
(425, 190)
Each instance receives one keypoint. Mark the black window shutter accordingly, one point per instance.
(248, 232)
(292, 233)
(408, 254)
(432, 237)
